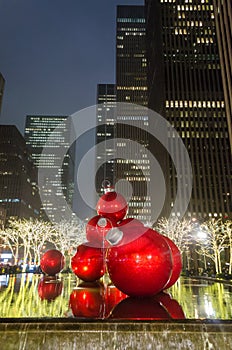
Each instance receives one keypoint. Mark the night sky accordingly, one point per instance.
(54, 53)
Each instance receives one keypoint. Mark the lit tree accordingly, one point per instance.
(214, 243)
(227, 230)
(10, 238)
(68, 235)
(31, 235)
(177, 230)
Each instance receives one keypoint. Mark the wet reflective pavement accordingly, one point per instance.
(36, 296)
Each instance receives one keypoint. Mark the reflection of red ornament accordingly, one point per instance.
(97, 228)
(141, 267)
(87, 300)
(112, 297)
(130, 223)
(177, 262)
(49, 288)
(171, 305)
(112, 205)
(139, 309)
(52, 262)
(87, 263)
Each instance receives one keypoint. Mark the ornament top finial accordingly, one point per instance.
(107, 186)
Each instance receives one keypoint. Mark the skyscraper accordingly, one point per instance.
(18, 187)
(106, 100)
(186, 85)
(2, 84)
(47, 155)
(223, 22)
(131, 84)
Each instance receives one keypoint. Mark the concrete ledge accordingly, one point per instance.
(73, 334)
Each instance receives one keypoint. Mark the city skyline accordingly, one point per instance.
(50, 66)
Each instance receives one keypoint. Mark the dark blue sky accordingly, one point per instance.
(54, 53)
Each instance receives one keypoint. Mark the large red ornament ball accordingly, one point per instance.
(87, 300)
(142, 267)
(49, 288)
(88, 263)
(52, 262)
(97, 228)
(177, 262)
(112, 205)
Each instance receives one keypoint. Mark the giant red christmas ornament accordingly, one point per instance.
(177, 262)
(87, 300)
(112, 205)
(96, 230)
(142, 267)
(49, 288)
(52, 262)
(88, 263)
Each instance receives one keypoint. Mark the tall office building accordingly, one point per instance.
(223, 22)
(186, 85)
(131, 84)
(18, 187)
(47, 154)
(2, 84)
(106, 101)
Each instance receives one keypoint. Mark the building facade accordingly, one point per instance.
(2, 84)
(18, 188)
(131, 85)
(106, 101)
(48, 138)
(186, 85)
(223, 23)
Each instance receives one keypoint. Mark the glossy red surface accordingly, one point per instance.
(87, 300)
(112, 205)
(49, 288)
(52, 262)
(177, 262)
(87, 263)
(96, 232)
(142, 267)
(140, 309)
(171, 305)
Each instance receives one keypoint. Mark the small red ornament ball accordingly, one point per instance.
(142, 267)
(52, 262)
(177, 262)
(88, 263)
(112, 205)
(97, 228)
(49, 288)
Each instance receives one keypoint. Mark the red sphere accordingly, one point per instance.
(112, 205)
(88, 263)
(176, 260)
(52, 262)
(87, 300)
(141, 267)
(49, 288)
(96, 230)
